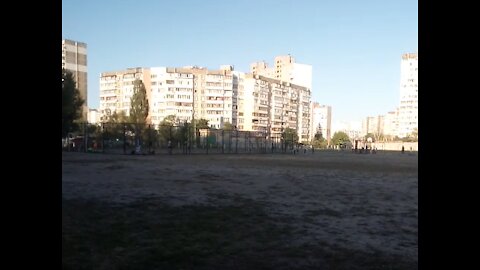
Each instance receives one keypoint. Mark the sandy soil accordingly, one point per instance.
(357, 202)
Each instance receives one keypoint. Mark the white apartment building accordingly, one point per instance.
(94, 116)
(321, 120)
(171, 93)
(373, 125)
(74, 59)
(390, 124)
(408, 109)
(116, 89)
(219, 98)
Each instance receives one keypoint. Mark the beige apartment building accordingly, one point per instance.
(285, 69)
(187, 93)
(116, 90)
(74, 59)
(250, 102)
(271, 106)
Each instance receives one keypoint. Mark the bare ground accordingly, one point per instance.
(329, 210)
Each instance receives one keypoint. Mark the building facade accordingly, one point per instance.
(321, 119)
(250, 102)
(116, 90)
(390, 125)
(285, 69)
(408, 108)
(94, 116)
(271, 106)
(74, 59)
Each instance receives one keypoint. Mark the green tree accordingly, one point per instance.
(117, 118)
(227, 126)
(165, 128)
(138, 103)
(318, 140)
(201, 123)
(290, 135)
(319, 136)
(71, 103)
(340, 137)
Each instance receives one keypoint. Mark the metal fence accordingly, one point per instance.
(131, 138)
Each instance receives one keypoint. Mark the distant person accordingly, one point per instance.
(169, 147)
(403, 149)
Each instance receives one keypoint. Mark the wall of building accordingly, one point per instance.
(408, 108)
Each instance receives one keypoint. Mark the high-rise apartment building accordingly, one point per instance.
(373, 125)
(248, 101)
(408, 109)
(187, 93)
(390, 124)
(116, 90)
(74, 59)
(321, 119)
(270, 105)
(285, 69)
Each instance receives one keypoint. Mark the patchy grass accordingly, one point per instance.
(235, 233)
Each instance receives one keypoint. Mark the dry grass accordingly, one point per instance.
(321, 211)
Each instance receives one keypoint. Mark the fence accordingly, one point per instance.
(131, 138)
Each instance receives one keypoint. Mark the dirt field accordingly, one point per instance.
(327, 210)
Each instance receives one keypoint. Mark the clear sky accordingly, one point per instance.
(354, 46)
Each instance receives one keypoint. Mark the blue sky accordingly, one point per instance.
(354, 47)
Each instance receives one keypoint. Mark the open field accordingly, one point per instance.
(329, 210)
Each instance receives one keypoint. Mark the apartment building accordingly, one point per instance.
(285, 69)
(249, 102)
(321, 120)
(187, 93)
(171, 93)
(373, 125)
(271, 106)
(408, 108)
(74, 59)
(116, 90)
(390, 125)
(94, 116)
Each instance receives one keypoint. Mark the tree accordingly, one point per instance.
(117, 118)
(340, 137)
(71, 103)
(138, 103)
(290, 135)
(227, 126)
(319, 136)
(318, 140)
(165, 128)
(138, 110)
(201, 123)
